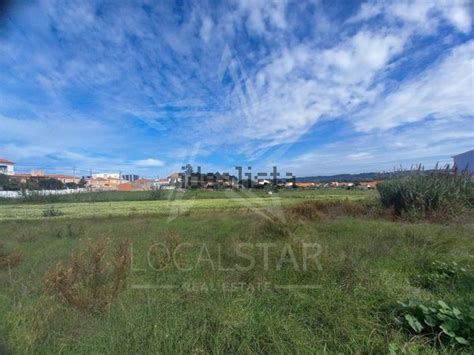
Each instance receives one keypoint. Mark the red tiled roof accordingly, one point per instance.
(142, 181)
(5, 161)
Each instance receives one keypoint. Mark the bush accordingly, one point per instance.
(422, 194)
(52, 212)
(50, 184)
(439, 322)
(89, 282)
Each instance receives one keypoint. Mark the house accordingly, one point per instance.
(464, 161)
(175, 178)
(262, 182)
(21, 178)
(65, 179)
(99, 183)
(106, 176)
(7, 167)
(142, 184)
(130, 177)
(367, 185)
(163, 182)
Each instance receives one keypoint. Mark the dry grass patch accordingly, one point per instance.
(90, 280)
(9, 258)
(317, 210)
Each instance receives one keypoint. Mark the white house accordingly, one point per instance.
(7, 167)
(465, 161)
(106, 176)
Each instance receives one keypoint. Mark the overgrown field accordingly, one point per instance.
(318, 276)
(113, 196)
(175, 203)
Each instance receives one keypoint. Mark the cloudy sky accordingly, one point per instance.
(314, 87)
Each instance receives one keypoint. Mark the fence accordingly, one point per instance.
(19, 194)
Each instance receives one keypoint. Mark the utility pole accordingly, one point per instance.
(74, 174)
(90, 180)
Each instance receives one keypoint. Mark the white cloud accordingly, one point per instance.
(206, 29)
(445, 90)
(261, 15)
(300, 84)
(360, 156)
(150, 162)
(420, 14)
(283, 74)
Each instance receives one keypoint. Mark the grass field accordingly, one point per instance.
(117, 203)
(210, 298)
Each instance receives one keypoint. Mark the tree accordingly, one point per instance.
(32, 184)
(82, 182)
(4, 181)
(50, 184)
(71, 185)
(188, 172)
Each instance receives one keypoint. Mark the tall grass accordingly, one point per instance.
(367, 265)
(421, 193)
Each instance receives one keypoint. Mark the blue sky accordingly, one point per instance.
(314, 87)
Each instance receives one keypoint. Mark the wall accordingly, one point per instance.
(465, 159)
(9, 168)
(18, 194)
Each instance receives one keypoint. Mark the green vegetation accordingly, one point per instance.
(51, 211)
(439, 322)
(421, 194)
(100, 278)
(177, 203)
(119, 196)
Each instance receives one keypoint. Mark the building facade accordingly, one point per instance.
(7, 167)
(464, 161)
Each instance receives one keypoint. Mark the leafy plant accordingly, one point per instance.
(442, 323)
(440, 273)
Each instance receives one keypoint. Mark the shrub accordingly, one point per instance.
(89, 281)
(52, 212)
(9, 259)
(421, 194)
(440, 273)
(439, 322)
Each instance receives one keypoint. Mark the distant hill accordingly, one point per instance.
(363, 176)
(346, 177)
